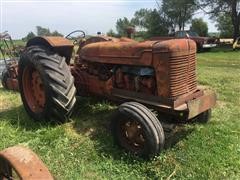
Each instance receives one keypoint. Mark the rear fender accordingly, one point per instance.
(60, 45)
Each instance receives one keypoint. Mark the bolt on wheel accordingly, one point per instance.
(33, 88)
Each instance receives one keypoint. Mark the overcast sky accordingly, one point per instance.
(22, 16)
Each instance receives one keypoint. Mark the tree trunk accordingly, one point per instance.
(235, 19)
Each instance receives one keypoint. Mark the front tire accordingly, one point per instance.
(46, 84)
(136, 129)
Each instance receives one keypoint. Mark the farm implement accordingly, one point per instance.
(10, 54)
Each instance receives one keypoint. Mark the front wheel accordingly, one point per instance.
(46, 84)
(137, 130)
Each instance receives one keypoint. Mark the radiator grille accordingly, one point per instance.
(182, 74)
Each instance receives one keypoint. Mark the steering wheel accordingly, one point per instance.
(76, 39)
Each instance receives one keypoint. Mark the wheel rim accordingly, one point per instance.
(33, 89)
(131, 135)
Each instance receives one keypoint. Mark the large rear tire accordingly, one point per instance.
(5, 75)
(136, 129)
(46, 84)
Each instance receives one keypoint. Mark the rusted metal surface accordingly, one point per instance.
(21, 163)
(10, 75)
(60, 45)
(201, 104)
(33, 89)
(159, 74)
(131, 135)
(113, 69)
(10, 54)
(174, 62)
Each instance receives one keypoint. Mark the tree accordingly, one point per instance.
(43, 31)
(56, 33)
(224, 7)
(122, 25)
(178, 12)
(199, 26)
(225, 26)
(30, 35)
(112, 33)
(151, 22)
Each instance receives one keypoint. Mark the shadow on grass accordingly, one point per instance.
(19, 119)
(92, 118)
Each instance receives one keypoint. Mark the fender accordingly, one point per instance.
(60, 45)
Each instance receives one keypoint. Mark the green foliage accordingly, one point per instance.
(221, 8)
(30, 35)
(122, 25)
(151, 21)
(56, 33)
(178, 13)
(224, 25)
(199, 26)
(41, 31)
(112, 33)
(83, 148)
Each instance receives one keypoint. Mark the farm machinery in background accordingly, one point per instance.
(9, 54)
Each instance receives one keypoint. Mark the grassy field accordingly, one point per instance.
(83, 148)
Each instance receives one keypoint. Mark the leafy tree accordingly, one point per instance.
(224, 7)
(43, 31)
(56, 33)
(30, 35)
(199, 26)
(122, 25)
(224, 25)
(112, 33)
(151, 22)
(179, 12)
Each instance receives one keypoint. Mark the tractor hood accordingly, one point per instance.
(131, 52)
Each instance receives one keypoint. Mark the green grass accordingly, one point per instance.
(83, 148)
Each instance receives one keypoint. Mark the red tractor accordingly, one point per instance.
(144, 76)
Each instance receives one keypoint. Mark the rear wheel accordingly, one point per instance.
(4, 78)
(46, 84)
(137, 130)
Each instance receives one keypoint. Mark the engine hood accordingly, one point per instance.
(133, 52)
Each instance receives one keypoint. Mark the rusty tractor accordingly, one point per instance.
(10, 54)
(19, 162)
(144, 76)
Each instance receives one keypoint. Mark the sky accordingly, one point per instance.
(19, 17)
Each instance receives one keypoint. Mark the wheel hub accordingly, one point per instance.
(33, 88)
(133, 133)
(38, 90)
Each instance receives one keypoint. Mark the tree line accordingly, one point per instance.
(41, 31)
(171, 15)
